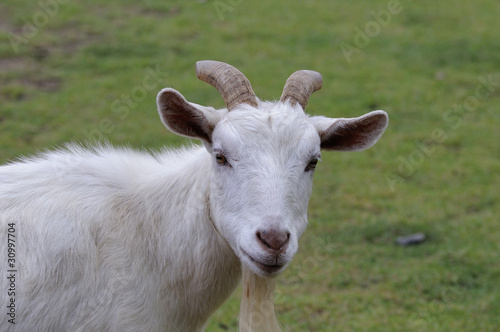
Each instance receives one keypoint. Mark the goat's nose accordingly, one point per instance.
(273, 239)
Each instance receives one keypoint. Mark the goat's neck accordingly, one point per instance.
(195, 261)
(257, 304)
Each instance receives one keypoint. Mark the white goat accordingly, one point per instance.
(109, 239)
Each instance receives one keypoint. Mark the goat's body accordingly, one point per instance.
(114, 240)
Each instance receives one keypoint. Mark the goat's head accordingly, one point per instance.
(264, 156)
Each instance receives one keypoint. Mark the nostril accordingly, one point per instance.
(273, 239)
(261, 239)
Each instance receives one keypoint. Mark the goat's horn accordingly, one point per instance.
(233, 86)
(300, 86)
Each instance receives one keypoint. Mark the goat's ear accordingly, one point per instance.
(354, 134)
(185, 118)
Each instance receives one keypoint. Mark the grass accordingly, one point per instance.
(86, 74)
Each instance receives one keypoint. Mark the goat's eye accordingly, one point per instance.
(221, 160)
(312, 164)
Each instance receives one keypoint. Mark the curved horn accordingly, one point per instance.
(233, 86)
(300, 85)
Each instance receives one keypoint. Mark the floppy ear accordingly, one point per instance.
(353, 134)
(185, 118)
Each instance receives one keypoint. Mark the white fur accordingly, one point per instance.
(110, 239)
(118, 230)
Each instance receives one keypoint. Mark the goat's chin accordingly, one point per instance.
(260, 267)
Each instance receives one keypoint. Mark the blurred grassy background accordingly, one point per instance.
(75, 71)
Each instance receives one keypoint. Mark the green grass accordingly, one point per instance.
(70, 82)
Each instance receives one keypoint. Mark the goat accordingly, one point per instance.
(111, 239)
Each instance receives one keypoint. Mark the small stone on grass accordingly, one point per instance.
(412, 239)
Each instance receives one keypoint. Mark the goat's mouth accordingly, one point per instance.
(269, 269)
